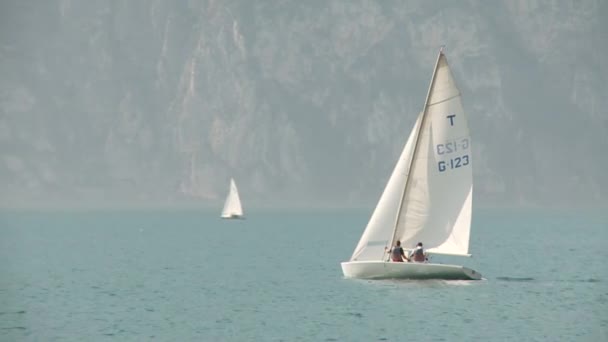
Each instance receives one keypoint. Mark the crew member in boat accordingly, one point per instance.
(418, 254)
(397, 253)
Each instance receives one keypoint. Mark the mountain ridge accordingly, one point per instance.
(300, 103)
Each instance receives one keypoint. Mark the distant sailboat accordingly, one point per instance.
(428, 196)
(232, 206)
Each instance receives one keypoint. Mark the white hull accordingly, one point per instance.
(406, 270)
(239, 217)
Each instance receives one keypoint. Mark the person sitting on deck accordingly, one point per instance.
(397, 254)
(418, 254)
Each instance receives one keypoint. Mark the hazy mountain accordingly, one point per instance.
(302, 102)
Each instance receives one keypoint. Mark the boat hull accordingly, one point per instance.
(406, 270)
(233, 217)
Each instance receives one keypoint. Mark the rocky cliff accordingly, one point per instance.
(303, 103)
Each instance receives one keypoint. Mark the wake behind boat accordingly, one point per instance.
(428, 196)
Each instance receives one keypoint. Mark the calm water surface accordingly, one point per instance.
(189, 276)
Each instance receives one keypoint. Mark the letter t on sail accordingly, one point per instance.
(451, 117)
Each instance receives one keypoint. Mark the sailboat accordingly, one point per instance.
(232, 206)
(428, 197)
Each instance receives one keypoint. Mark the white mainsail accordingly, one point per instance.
(232, 206)
(428, 197)
(436, 207)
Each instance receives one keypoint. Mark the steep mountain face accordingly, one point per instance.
(307, 103)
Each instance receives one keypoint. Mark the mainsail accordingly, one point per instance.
(428, 197)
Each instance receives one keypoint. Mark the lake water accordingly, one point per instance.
(189, 276)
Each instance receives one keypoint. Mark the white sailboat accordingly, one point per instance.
(232, 206)
(428, 196)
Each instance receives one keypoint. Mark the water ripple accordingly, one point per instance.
(13, 312)
(355, 314)
(522, 279)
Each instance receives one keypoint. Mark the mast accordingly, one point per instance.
(416, 148)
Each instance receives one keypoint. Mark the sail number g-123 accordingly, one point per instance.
(453, 163)
(450, 147)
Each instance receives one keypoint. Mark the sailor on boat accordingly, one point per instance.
(397, 254)
(418, 254)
